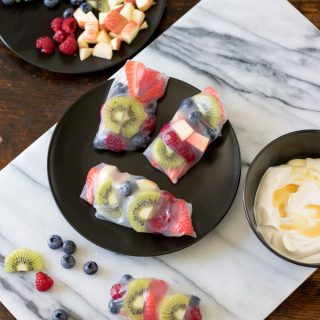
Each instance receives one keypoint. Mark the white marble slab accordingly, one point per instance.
(264, 58)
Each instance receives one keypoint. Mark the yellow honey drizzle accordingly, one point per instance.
(281, 197)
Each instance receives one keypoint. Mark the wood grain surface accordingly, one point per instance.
(28, 107)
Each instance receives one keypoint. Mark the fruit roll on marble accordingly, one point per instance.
(151, 299)
(128, 114)
(182, 142)
(136, 202)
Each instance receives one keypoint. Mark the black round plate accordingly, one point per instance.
(23, 23)
(210, 185)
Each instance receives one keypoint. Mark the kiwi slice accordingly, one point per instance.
(123, 115)
(210, 109)
(23, 260)
(174, 307)
(134, 299)
(107, 201)
(141, 208)
(103, 6)
(165, 156)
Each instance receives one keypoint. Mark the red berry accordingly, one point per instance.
(193, 313)
(59, 36)
(117, 291)
(149, 125)
(172, 139)
(69, 25)
(69, 46)
(165, 127)
(43, 282)
(160, 221)
(56, 24)
(45, 44)
(169, 196)
(114, 143)
(155, 92)
(186, 152)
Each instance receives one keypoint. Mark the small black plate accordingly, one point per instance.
(210, 185)
(23, 23)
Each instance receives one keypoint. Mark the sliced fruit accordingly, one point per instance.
(146, 184)
(22, 260)
(124, 115)
(141, 207)
(115, 44)
(103, 5)
(103, 37)
(198, 141)
(165, 156)
(148, 78)
(129, 32)
(183, 129)
(150, 307)
(133, 302)
(93, 3)
(90, 17)
(82, 42)
(144, 25)
(91, 178)
(85, 53)
(138, 16)
(91, 30)
(159, 288)
(80, 17)
(144, 5)
(173, 307)
(127, 11)
(114, 3)
(115, 22)
(155, 92)
(103, 50)
(134, 72)
(102, 16)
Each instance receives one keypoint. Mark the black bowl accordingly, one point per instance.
(294, 145)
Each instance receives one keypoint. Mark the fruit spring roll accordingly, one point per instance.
(151, 299)
(128, 114)
(136, 202)
(182, 142)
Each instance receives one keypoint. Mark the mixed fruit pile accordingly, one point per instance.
(128, 115)
(182, 142)
(150, 299)
(136, 202)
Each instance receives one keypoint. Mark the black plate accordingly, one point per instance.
(23, 23)
(210, 186)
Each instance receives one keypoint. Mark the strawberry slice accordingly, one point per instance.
(159, 289)
(148, 78)
(91, 176)
(150, 307)
(134, 71)
(155, 92)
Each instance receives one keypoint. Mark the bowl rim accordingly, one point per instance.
(251, 223)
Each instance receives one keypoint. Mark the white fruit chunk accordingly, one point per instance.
(103, 37)
(82, 43)
(85, 53)
(144, 26)
(103, 50)
(102, 16)
(115, 43)
(91, 17)
(80, 17)
(144, 5)
(129, 32)
(138, 16)
(183, 129)
(114, 3)
(127, 11)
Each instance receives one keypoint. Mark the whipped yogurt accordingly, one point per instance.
(287, 209)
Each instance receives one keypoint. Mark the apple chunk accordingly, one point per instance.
(103, 37)
(115, 22)
(129, 32)
(127, 11)
(115, 43)
(82, 42)
(102, 50)
(138, 16)
(144, 5)
(85, 53)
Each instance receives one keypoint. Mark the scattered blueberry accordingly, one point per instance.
(69, 247)
(67, 261)
(90, 267)
(139, 140)
(51, 3)
(126, 278)
(195, 116)
(68, 13)
(76, 3)
(54, 242)
(120, 88)
(8, 2)
(194, 301)
(86, 7)
(126, 188)
(187, 103)
(115, 306)
(59, 315)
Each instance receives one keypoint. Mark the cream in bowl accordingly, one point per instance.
(287, 209)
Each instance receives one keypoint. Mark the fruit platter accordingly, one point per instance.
(78, 36)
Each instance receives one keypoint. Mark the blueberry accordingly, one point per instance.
(76, 3)
(120, 88)
(139, 140)
(69, 247)
(195, 116)
(59, 315)
(8, 2)
(67, 261)
(86, 7)
(126, 278)
(54, 242)
(194, 301)
(90, 267)
(114, 306)
(126, 188)
(51, 3)
(187, 103)
(68, 13)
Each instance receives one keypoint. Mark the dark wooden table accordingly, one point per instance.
(28, 107)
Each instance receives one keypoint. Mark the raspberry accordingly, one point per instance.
(59, 36)
(117, 291)
(171, 139)
(69, 25)
(114, 143)
(56, 24)
(185, 151)
(193, 313)
(45, 44)
(169, 196)
(149, 125)
(160, 222)
(43, 282)
(69, 46)
(165, 127)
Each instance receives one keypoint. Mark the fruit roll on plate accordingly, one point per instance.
(182, 142)
(151, 299)
(128, 114)
(136, 202)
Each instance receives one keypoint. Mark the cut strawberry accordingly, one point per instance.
(115, 22)
(134, 71)
(90, 184)
(148, 78)
(156, 91)
(182, 224)
(159, 289)
(150, 307)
